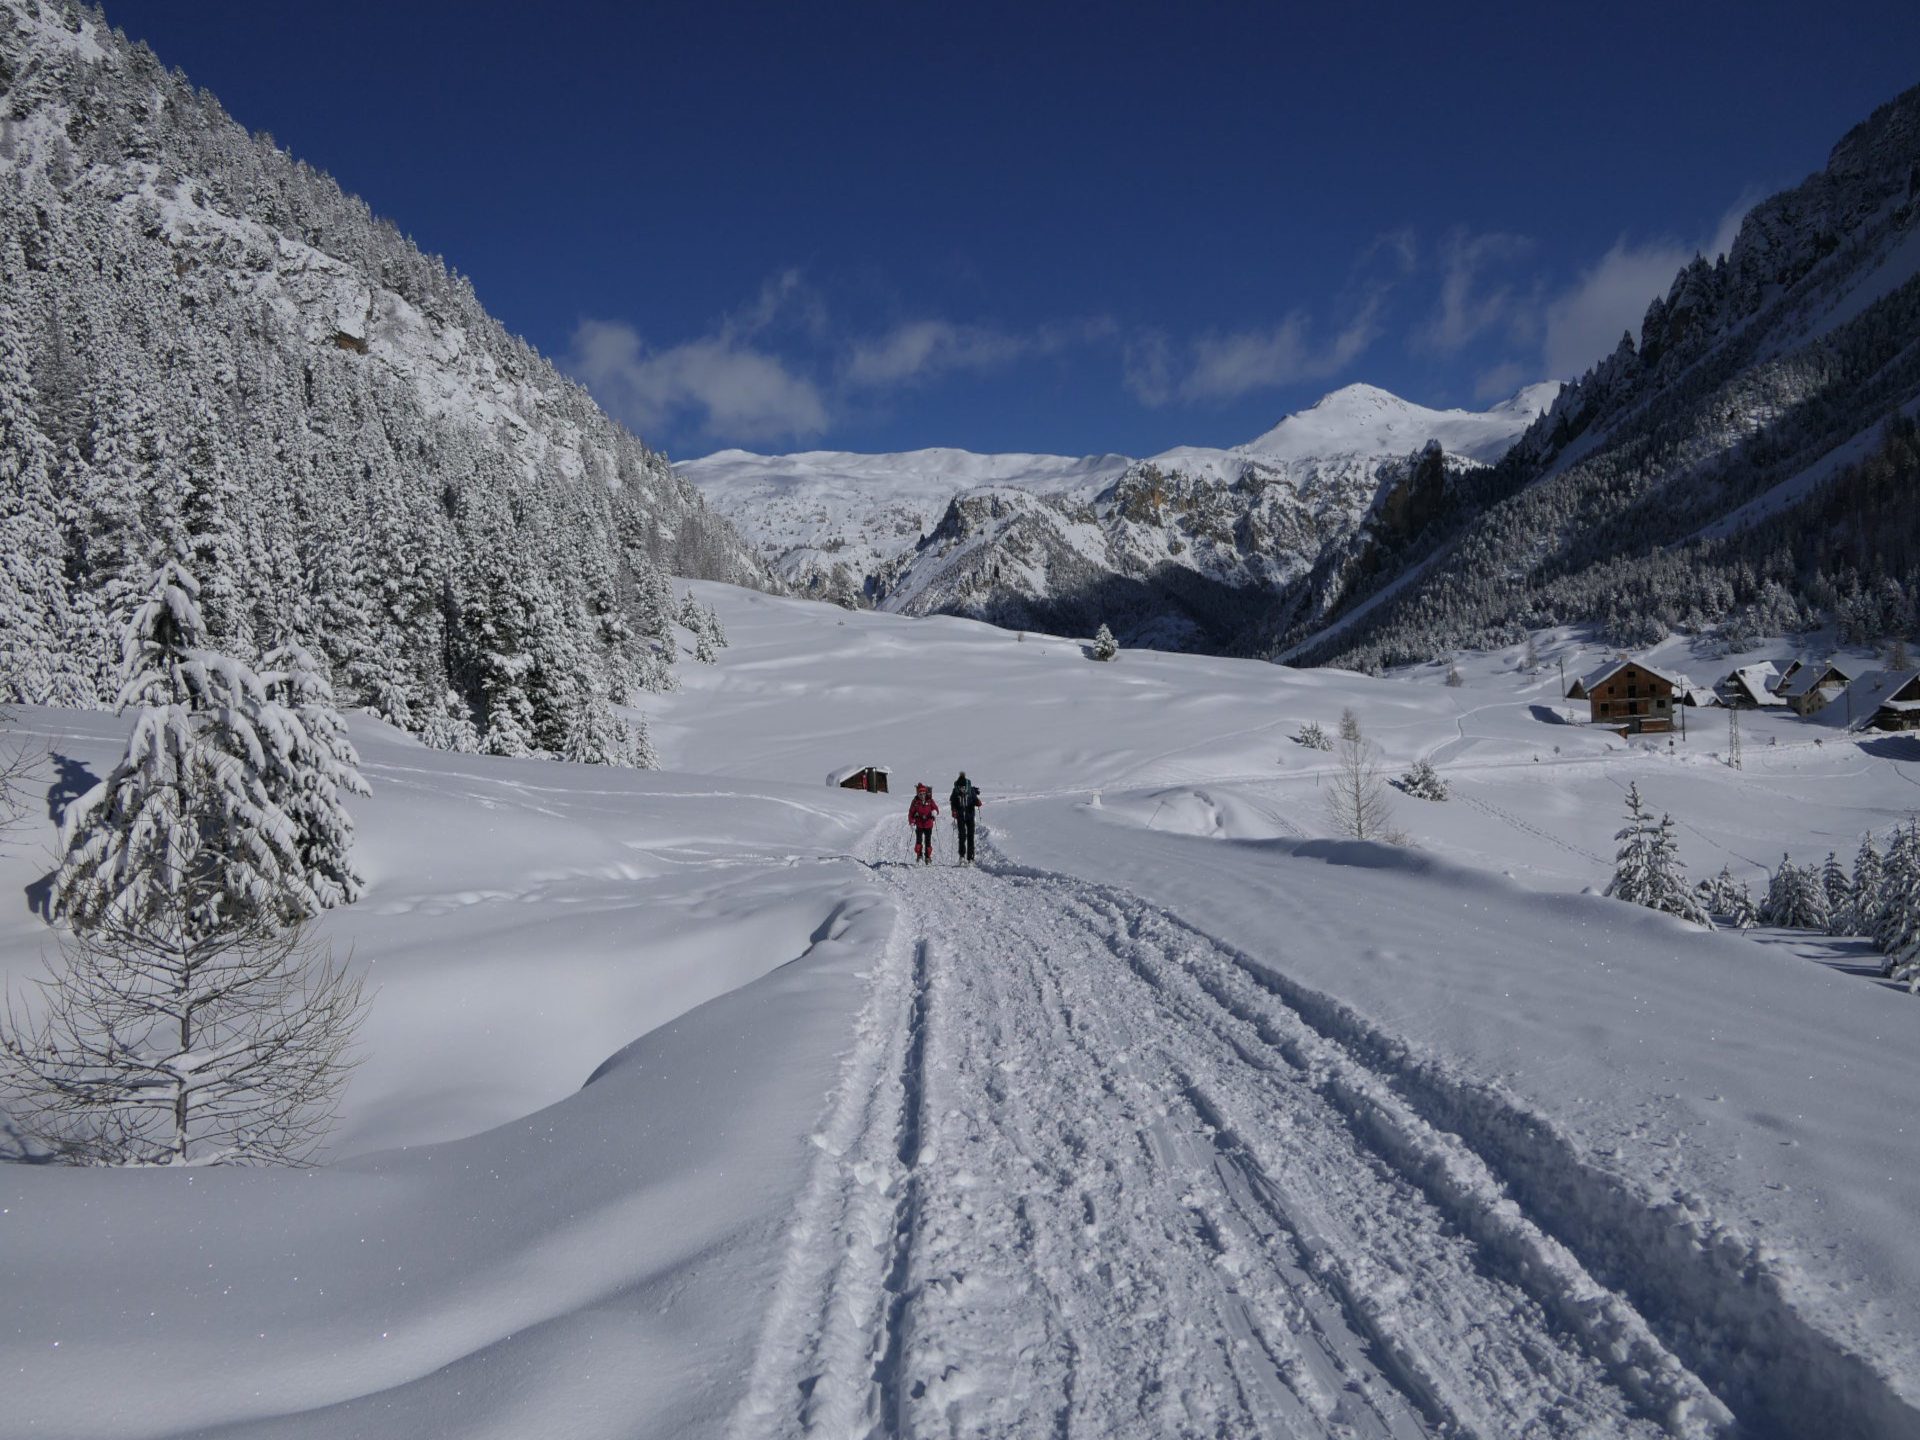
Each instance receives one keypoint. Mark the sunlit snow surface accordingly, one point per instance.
(1172, 1117)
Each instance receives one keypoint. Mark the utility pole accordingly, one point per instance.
(1563, 676)
(1733, 738)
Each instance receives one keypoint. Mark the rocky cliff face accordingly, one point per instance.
(1166, 557)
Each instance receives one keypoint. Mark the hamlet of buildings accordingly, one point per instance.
(1633, 698)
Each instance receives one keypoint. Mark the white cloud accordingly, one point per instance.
(925, 349)
(1501, 381)
(732, 389)
(1224, 367)
(1729, 227)
(922, 349)
(1147, 368)
(1585, 323)
(1466, 309)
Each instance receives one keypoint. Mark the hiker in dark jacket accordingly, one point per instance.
(922, 814)
(964, 800)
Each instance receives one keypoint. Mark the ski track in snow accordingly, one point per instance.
(1085, 1174)
(1487, 807)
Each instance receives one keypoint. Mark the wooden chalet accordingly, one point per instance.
(1884, 700)
(1628, 696)
(1813, 686)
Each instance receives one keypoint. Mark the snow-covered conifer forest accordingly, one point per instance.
(197, 329)
(460, 978)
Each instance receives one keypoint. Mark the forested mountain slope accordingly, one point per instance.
(1746, 466)
(200, 333)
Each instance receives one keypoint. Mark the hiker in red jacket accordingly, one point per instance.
(922, 814)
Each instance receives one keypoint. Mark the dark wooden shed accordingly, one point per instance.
(861, 777)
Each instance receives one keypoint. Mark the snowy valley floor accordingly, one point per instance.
(1169, 1118)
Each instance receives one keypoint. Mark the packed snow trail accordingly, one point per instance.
(1085, 1176)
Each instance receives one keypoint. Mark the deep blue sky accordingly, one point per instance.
(1054, 227)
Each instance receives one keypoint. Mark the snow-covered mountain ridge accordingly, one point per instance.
(1046, 539)
(1744, 465)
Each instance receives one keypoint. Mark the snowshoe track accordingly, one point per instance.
(1091, 1173)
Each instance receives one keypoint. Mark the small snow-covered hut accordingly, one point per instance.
(861, 777)
(1750, 687)
(1686, 692)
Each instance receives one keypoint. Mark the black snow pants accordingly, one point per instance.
(963, 832)
(923, 842)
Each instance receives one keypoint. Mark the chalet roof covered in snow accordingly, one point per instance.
(1584, 686)
(1813, 675)
(1882, 689)
(1688, 692)
(1751, 684)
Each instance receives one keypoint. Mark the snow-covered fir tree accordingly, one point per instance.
(316, 772)
(33, 597)
(1635, 876)
(1861, 913)
(642, 753)
(190, 1020)
(656, 616)
(1647, 869)
(1796, 899)
(1896, 927)
(1837, 887)
(1105, 647)
(186, 811)
(1728, 899)
(1312, 736)
(1423, 782)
